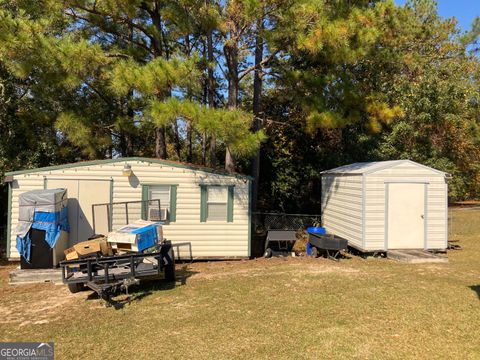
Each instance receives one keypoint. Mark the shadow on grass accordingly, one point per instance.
(476, 288)
(146, 287)
(333, 255)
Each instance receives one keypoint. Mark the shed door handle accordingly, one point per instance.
(423, 217)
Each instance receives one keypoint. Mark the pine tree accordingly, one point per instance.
(123, 60)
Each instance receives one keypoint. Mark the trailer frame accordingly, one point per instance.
(107, 275)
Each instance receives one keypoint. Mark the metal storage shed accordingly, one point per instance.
(385, 205)
(207, 208)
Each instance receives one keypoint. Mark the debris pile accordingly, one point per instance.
(134, 237)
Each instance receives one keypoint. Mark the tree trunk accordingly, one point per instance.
(161, 50)
(130, 112)
(257, 109)
(205, 101)
(189, 127)
(229, 161)
(189, 142)
(178, 146)
(128, 145)
(212, 151)
(204, 149)
(128, 133)
(211, 95)
(231, 56)
(122, 143)
(160, 143)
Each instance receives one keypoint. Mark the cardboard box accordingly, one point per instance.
(71, 254)
(89, 247)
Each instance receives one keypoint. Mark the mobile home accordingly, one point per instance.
(205, 209)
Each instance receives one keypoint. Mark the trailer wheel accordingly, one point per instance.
(314, 252)
(75, 288)
(170, 268)
(268, 253)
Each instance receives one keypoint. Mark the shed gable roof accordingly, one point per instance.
(126, 159)
(361, 168)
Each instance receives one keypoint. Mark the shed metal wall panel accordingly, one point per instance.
(342, 207)
(208, 239)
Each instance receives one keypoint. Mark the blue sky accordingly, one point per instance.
(464, 10)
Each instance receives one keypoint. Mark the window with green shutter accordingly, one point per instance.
(216, 203)
(167, 194)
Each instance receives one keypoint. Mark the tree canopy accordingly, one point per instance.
(281, 89)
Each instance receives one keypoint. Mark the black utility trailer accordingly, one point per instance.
(279, 242)
(107, 275)
(328, 243)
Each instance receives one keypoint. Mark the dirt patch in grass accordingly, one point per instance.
(272, 266)
(35, 304)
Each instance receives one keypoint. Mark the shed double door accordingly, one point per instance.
(82, 194)
(406, 211)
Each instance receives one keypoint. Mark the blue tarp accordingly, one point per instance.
(52, 222)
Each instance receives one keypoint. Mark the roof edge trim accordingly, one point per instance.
(124, 159)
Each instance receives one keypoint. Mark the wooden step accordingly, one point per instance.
(34, 276)
(416, 256)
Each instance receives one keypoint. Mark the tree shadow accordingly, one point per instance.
(146, 288)
(476, 288)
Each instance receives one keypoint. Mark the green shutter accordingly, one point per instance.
(173, 203)
(203, 203)
(230, 204)
(145, 189)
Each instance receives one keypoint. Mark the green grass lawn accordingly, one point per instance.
(276, 309)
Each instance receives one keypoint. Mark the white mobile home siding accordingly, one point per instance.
(211, 239)
(357, 193)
